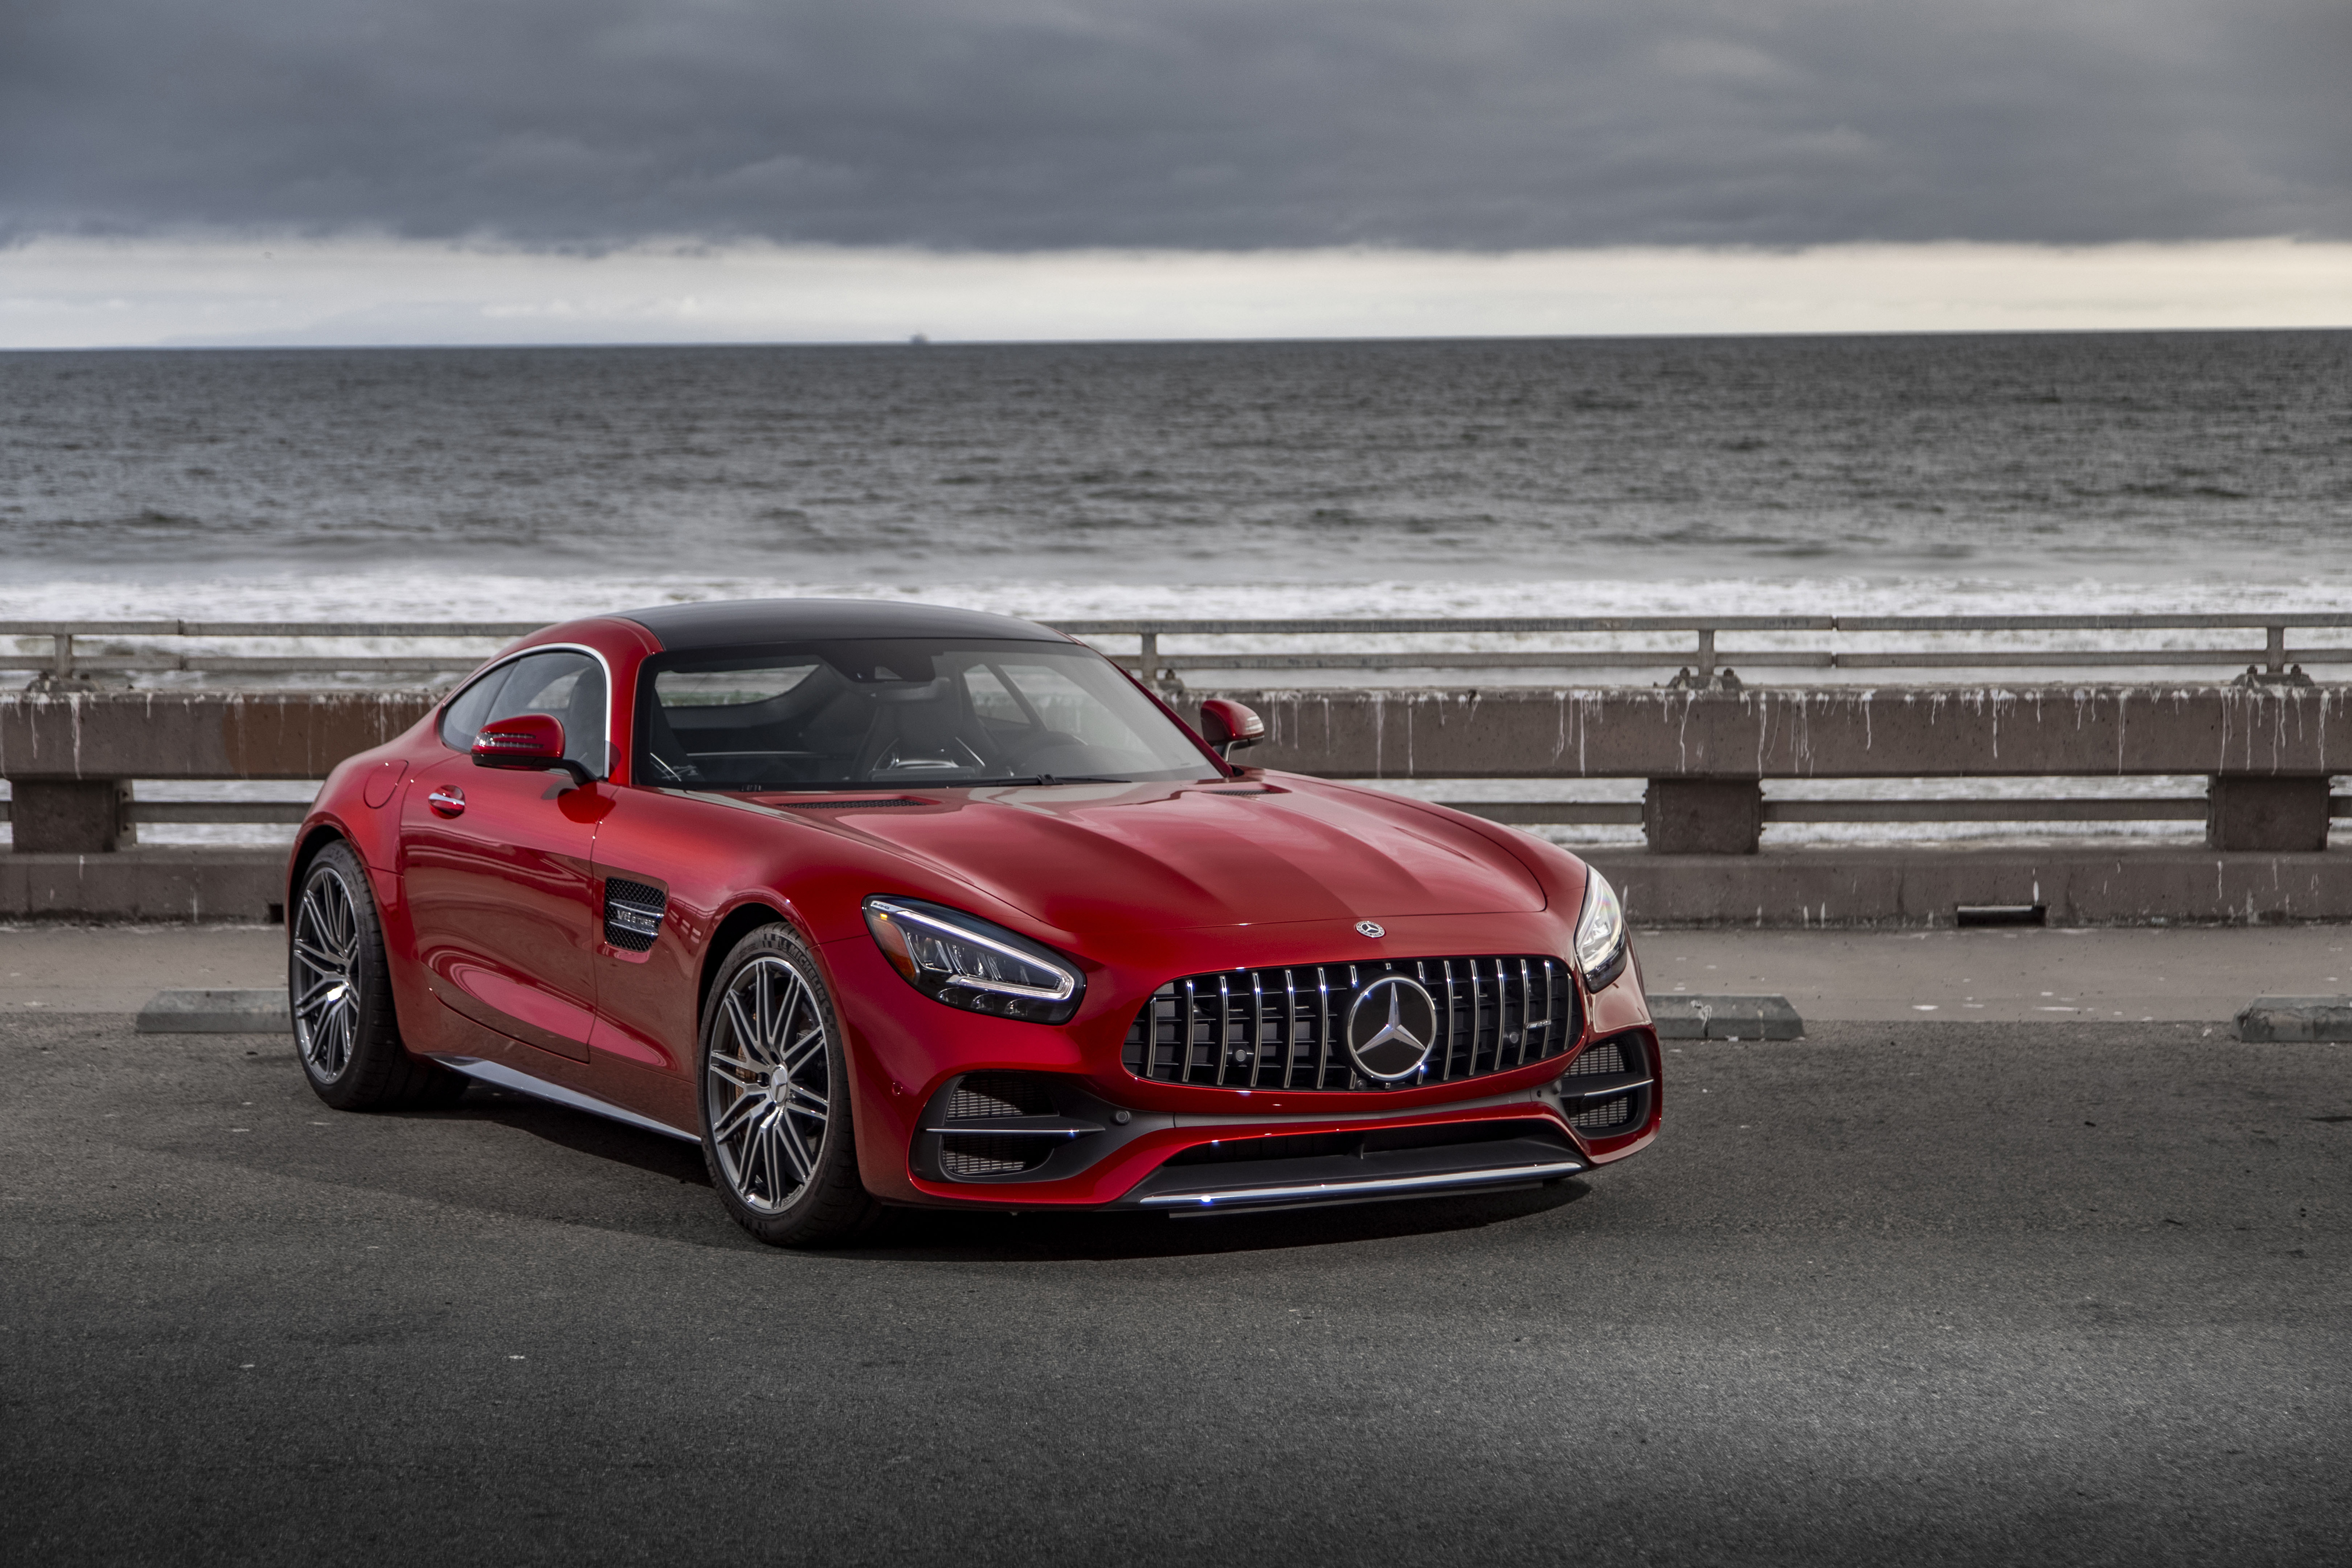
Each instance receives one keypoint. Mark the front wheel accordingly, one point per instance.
(775, 1099)
(339, 989)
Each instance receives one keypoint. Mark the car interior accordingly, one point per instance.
(868, 713)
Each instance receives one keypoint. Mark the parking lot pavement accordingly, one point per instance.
(57, 968)
(1922, 1292)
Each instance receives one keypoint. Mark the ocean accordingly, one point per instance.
(1864, 475)
(1202, 477)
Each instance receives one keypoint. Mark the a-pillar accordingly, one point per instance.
(1702, 816)
(2267, 811)
(69, 817)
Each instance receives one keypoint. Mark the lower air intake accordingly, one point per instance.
(1602, 1117)
(982, 1094)
(979, 1155)
(1607, 1090)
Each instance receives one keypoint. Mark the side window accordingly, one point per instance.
(463, 718)
(568, 686)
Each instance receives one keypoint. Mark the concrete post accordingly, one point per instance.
(1702, 816)
(69, 817)
(2266, 811)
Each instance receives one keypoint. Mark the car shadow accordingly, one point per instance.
(932, 1235)
(576, 1130)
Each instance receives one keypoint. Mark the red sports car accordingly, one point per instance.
(892, 904)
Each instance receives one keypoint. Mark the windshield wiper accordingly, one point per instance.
(1047, 779)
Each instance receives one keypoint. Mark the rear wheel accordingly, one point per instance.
(775, 1098)
(339, 989)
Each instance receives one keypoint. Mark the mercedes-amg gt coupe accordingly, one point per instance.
(891, 904)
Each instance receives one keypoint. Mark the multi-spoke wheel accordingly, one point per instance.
(344, 1030)
(775, 1102)
(323, 981)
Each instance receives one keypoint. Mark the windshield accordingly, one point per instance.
(870, 713)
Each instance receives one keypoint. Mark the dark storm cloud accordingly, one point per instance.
(1018, 124)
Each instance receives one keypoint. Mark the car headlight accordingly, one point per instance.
(1601, 938)
(969, 963)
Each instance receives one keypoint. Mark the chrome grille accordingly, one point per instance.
(1282, 1029)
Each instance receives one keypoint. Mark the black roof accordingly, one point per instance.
(732, 623)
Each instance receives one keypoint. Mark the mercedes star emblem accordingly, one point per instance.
(1391, 1027)
(1370, 927)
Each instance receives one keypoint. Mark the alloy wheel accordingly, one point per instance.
(326, 998)
(767, 1083)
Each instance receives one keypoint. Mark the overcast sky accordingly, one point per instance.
(593, 170)
(1213, 125)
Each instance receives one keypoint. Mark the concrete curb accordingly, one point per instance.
(1685, 1018)
(215, 1013)
(2296, 1019)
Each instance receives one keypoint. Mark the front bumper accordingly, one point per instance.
(1098, 1136)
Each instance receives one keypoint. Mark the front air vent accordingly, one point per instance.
(1607, 1116)
(964, 1155)
(1608, 1090)
(999, 1094)
(633, 913)
(1600, 1057)
(998, 1126)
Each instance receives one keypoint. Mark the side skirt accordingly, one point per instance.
(505, 1077)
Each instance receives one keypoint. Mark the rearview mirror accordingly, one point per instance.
(529, 742)
(1228, 726)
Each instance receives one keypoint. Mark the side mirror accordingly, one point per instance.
(528, 742)
(1228, 726)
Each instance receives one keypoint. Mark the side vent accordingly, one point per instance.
(633, 913)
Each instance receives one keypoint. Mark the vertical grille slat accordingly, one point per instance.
(1323, 1028)
(1289, 1028)
(1258, 1038)
(1224, 1027)
(1190, 1027)
(1527, 1009)
(1285, 1027)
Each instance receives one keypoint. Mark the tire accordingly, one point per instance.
(774, 1090)
(339, 989)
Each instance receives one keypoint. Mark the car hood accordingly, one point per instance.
(1084, 856)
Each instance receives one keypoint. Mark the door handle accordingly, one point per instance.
(447, 801)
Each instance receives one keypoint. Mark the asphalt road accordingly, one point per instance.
(1918, 1292)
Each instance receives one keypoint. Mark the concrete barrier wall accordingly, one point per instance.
(1789, 733)
(2269, 751)
(195, 736)
(1761, 732)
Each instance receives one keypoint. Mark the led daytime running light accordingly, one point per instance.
(1601, 944)
(967, 962)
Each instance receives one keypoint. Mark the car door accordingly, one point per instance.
(496, 865)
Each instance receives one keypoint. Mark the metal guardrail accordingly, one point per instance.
(1707, 656)
(64, 662)
(1703, 655)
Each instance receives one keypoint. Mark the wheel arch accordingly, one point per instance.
(734, 927)
(314, 839)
